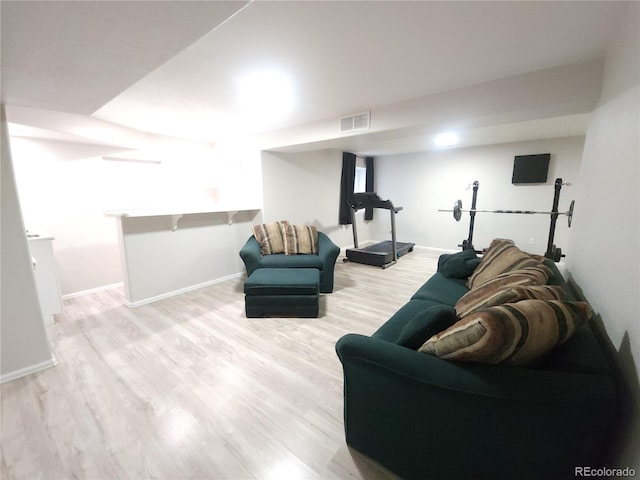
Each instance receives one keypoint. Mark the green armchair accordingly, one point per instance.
(324, 260)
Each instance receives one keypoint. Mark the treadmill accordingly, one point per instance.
(381, 254)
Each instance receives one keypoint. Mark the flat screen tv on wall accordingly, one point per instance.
(530, 168)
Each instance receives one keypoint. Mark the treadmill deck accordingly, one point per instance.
(379, 254)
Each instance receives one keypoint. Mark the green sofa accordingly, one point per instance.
(324, 261)
(424, 417)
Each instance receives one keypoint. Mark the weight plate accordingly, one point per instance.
(557, 255)
(570, 212)
(457, 210)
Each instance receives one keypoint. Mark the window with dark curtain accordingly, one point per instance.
(346, 186)
(368, 213)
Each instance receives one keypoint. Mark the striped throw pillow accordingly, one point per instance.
(502, 256)
(299, 239)
(510, 334)
(269, 237)
(487, 295)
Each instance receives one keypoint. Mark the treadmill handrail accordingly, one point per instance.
(371, 200)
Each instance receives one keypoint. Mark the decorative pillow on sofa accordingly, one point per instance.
(458, 265)
(502, 256)
(425, 324)
(269, 237)
(488, 295)
(299, 239)
(510, 334)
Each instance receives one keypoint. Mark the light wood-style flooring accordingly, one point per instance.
(189, 388)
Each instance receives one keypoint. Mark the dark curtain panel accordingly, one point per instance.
(369, 187)
(346, 186)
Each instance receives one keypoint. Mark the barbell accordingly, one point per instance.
(457, 211)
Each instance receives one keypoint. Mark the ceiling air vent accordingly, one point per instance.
(355, 123)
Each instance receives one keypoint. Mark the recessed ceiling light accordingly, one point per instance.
(266, 94)
(446, 139)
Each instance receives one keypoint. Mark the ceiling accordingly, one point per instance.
(174, 67)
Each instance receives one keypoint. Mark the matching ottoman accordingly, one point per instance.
(279, 292)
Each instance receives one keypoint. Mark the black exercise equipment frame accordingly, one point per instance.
(381, 254)
(553, 252)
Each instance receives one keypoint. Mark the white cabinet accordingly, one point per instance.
(41, 250)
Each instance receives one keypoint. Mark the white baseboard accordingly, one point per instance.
(437, 249)
(173, 293)
(92, 290)
(22, 372)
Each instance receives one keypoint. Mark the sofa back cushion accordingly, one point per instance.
(390, 329)
(423, 326)
(513, 333)
(459, 264)
(581, 354)
(269, 237)
(416, 322)
(442, 289)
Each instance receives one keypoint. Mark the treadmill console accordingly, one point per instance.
(362, 200)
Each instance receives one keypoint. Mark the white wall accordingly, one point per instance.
(24, 345)
(304, 188)
(65, 188)
(604, 244)
(424, 182)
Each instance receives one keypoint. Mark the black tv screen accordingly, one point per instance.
(530, 168)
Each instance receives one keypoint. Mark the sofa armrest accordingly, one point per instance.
(327, 250)
(328, 253)
(250, 254)
(424, 417)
